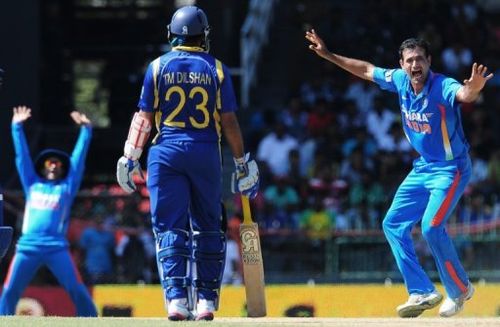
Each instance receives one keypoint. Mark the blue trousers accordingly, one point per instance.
(23, 268)
(185, 187)
(429, 193)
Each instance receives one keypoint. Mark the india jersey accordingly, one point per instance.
(186, 88)
(48, 203)
(431, 119)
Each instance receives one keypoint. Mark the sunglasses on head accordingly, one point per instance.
(49, 162)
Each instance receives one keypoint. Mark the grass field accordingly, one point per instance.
(25, 321)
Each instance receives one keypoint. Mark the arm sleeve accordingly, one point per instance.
(77, 160)
(24, 163)
(450, 88)
(149, 97)
(389, 79)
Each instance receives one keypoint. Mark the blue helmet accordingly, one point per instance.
(189, 21)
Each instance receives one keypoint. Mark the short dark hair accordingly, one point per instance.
(413, 43)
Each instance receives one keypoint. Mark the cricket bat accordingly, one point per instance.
(253, 266)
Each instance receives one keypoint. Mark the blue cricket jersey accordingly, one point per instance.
(431, 119)
(187, 90)
(48, 203)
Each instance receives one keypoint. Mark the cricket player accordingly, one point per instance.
(430, 112)
(50, 185)
(188, 95)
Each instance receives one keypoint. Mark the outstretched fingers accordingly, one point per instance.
(21, 113)
(317, 45)
(481, 70)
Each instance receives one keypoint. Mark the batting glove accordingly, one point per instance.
(125, 170)
(245, 179)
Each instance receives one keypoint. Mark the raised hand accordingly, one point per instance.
(80, 118)
(477, 79)
(21, 114)
(317, 45)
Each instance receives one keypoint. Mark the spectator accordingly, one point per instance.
(295, 118)
(274, 149)
(379, 120)
(283, 199)
(98, 243)
(456, 58)
(316, 221)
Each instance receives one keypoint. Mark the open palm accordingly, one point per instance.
(21, 114)
(478, 77)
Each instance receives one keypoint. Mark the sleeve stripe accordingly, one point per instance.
(156, 68)
(220, 75)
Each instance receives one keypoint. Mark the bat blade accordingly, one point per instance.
(253, 265)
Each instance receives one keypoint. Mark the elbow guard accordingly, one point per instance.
(137, 137)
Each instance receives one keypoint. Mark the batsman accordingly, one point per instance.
(188, 96)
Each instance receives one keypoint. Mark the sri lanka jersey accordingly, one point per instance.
(187, 89)
(431, 119)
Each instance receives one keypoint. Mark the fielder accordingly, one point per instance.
(188, 95)
(50, 185)
(430, 112)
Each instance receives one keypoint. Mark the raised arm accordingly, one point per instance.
(469, 92)
(79, 154)
(360, 68)
(24, 163)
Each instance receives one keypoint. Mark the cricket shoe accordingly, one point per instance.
(451, 307)
(178, 310)
(205, 309)
(418, 303)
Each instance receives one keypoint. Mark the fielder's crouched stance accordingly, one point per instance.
(190, 97)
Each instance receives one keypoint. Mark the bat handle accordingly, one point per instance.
(247, 218)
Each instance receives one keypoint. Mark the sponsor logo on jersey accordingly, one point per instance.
(418, 122)
(44, 201)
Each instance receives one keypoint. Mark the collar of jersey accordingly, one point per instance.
(186, 48)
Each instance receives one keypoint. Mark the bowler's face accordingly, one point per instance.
(416, 65)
